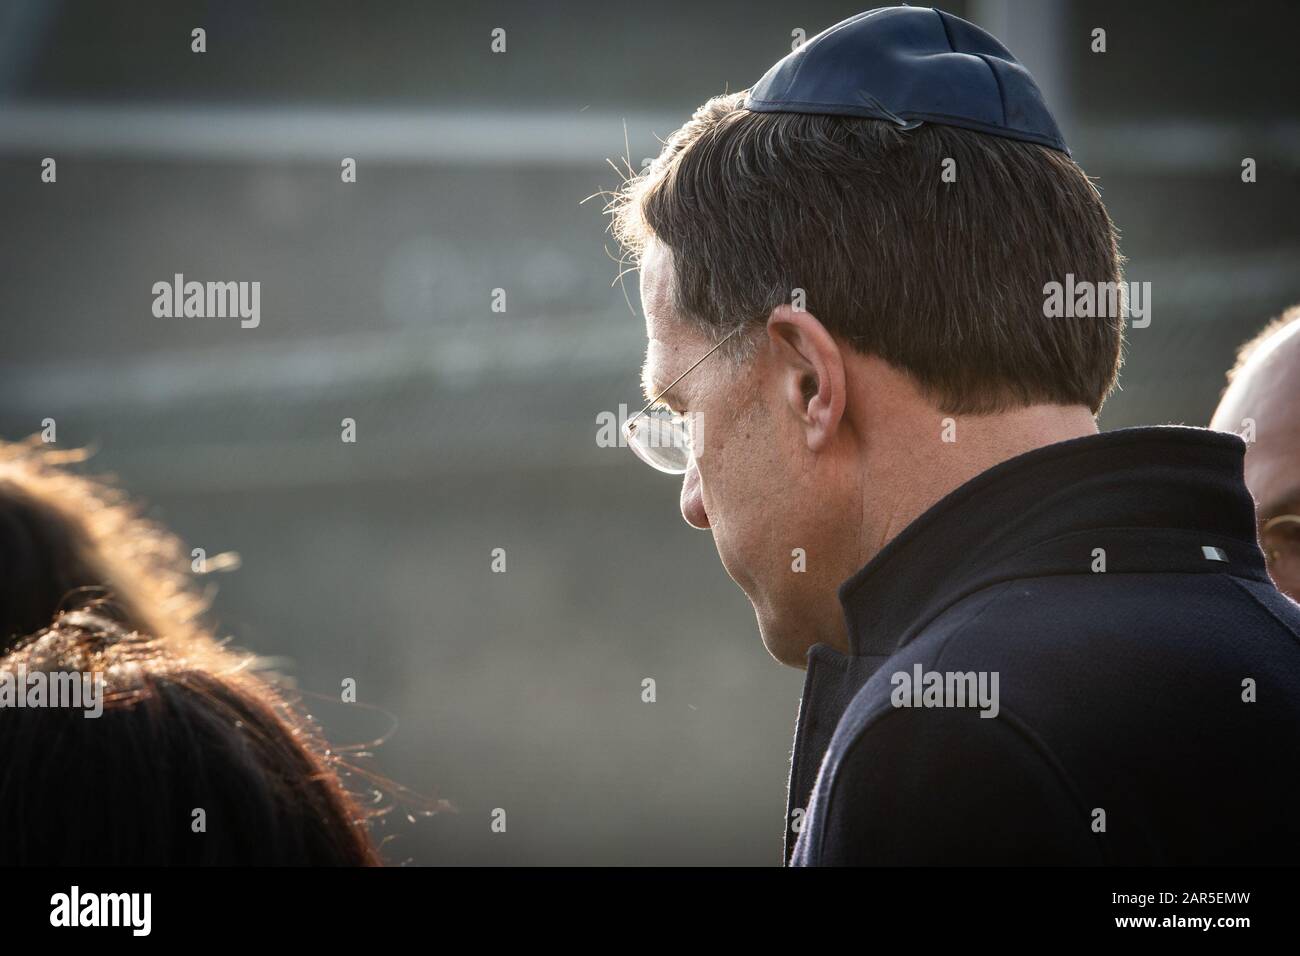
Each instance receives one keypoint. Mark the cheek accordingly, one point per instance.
(706, 477)
(724, 477)
(736, 463)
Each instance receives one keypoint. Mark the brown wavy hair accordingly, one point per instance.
(68, 540)
(194, 760)
(91, 585)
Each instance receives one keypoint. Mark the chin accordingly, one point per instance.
(783, 641)
(783, 636)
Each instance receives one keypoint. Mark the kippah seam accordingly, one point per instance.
(943, 21)
(997, 81)
(952, 47)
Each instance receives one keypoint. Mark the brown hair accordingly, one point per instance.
(92, 585)
(185, 726)
(942, 279)
(67, 540)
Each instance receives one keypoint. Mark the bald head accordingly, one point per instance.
(1263, 401)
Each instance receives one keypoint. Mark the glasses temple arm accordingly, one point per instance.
(669, 388)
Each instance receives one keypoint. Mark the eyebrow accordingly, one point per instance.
(668, 396)
(654, 391)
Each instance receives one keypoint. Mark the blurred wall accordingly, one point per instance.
(476, 429)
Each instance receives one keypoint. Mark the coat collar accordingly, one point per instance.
(1153, 498)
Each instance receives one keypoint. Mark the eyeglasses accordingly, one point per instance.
(666, 441)
(1280, 540)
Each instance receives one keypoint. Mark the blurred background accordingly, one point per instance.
(477, 429)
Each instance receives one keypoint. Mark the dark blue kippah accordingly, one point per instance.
(910, 65)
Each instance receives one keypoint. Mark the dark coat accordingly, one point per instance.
(1124, 731)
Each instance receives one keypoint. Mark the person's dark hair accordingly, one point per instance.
(185, 727)
(67, 540)
(942, 279)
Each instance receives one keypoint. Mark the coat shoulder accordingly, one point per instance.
(1110, 695)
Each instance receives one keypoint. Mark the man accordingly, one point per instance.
(1262, 402)
(1049, 645)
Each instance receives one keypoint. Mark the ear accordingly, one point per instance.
(810, 370)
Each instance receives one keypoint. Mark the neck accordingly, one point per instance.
(899, 488)
(907, 466)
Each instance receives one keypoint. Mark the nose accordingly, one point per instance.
(693, 500)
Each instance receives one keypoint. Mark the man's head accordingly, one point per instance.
(878, 297)
(1262, 402)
